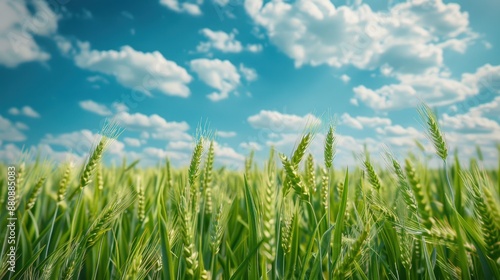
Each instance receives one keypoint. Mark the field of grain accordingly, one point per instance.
(292, 217)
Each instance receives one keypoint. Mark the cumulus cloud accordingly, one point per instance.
(21, 126)
(80, 142)
(132, 142)
(359, 122)
(180, 6)
(477, 126)
(154, 125)
(24, 111)
(180, 145)
(279, 122)
(400, 136)
(11, 132)
(163, 154)
(94, 107)
(345, 78)
(221, 41)
(478, 120)
(469, 122)
(119, 107)
(221, 75)
(409, 38)
(138, 121)
(248, 73)
(140, 71)
(251, 146)
(224, 42)
(488, 110)
(436, 89)
(18, 27)
(10, 153)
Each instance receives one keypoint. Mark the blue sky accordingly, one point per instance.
(257, 71)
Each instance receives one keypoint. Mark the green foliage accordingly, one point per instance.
(271, 221)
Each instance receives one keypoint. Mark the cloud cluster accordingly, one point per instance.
(26, 111)
(181, 6)
(11, 132)
(361, 122)
(280, 122)
(409, 38)
(433, 87)
(140, 71)
(224, 42)
(18, 27)
(221, 75)
(95, 107)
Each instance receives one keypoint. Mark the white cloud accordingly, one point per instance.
(255, 48)
(224, 42)
(226, 134)
(119, 107)
(486, 77)
(138, 121)
(402, 137)
(10, 153)
(95, 107)
(221, 75)
(24, 111)
(399, 136)
(221, 41)
(228, 156)
(469, 122)
(14, 111)
(30, 112)
(409, 38)
(345, 78)
(13, 154)
(251, 146)
(21, 126)
(10, 132)
(248, 73)
(278, 122)
(162, 154)
(436, 89)
(398, 130)
(477, 120)
(474, 126)
(18, 27)
(80, 142)
(489, 110)
(154, 126)
(188, 7)
(171, 135)
(180, 145)
(360, 122)
(137, 70)
(64, 45)
(132, 142)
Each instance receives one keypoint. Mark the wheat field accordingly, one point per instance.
(292, 217)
